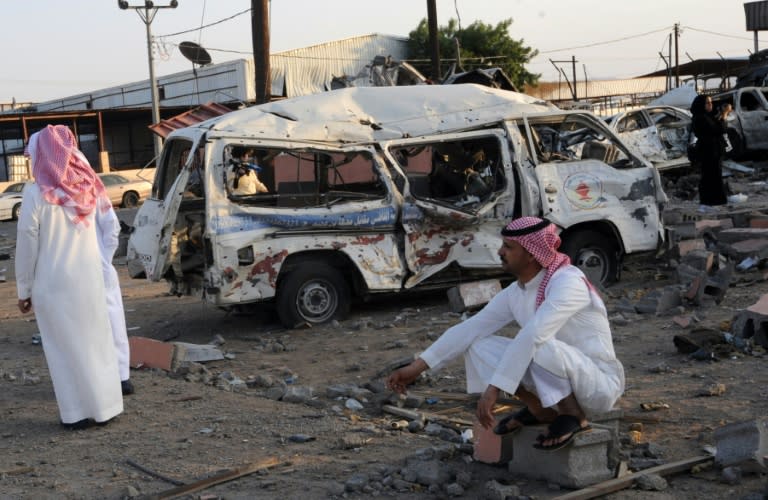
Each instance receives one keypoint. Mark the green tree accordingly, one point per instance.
(481, 46)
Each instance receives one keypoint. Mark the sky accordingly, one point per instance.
(56, 48)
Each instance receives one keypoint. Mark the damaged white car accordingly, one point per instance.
(659, 133)
(384, 190)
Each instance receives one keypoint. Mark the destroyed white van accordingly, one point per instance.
(382, 190)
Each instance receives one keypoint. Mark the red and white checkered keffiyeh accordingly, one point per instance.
(64, 175)
(542, 244)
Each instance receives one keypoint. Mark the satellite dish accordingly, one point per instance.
(195, 53)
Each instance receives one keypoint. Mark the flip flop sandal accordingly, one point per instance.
(563, 425)
(523, 416)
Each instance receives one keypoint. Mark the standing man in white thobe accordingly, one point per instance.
(108, 229)
(561, 363)
(57, 277)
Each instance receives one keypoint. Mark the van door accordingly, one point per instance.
(457, 189)
(150, 244)
(586, 174)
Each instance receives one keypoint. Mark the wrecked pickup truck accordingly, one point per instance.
(748, 123)
(382, 190)
(659, 133)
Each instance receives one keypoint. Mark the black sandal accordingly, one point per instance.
(523, 416)
(563, 425)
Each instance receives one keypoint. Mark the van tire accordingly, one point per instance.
(130, 199)
(596, 254)
(313, 293)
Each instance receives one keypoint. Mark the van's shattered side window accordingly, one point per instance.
(462, 173)
(299, 178)
(175, 155)
(571, 138)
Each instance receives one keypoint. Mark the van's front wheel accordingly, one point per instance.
(595, 254)
(313, 293)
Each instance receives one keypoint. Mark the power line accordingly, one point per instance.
(717, 34)
(596, 44)
(208, 25)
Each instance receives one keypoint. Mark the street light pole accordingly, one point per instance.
(147, 13)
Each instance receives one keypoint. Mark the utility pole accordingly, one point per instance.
(677, 55)
(573, 72)
(260, 34)
(434, 45)
(147, 13)
(669, 71)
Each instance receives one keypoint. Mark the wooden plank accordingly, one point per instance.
(218, 479)
(626, 481)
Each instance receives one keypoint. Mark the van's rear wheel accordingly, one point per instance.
(313, 293)
(595, 254)
(130, 199)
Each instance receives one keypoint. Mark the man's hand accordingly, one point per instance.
(399, 379)
(485, 407)
(25, 305)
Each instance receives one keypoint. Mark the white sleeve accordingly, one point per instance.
(27, 238)
(109, 232)
(457, 339)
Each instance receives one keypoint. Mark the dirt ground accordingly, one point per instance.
(194, 427)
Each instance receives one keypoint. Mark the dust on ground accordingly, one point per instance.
(193, 427)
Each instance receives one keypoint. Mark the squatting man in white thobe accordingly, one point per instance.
(59, 277)
(561, 363)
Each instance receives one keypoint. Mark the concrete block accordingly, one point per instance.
(747, 248)
(150, 353)
(684, 231)
(753, 322)
(584, 462)
(742, 442)
(472, 295)
(717, 284)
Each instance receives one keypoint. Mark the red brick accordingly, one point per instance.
(490, 448)
(149, 353)
(759, 222)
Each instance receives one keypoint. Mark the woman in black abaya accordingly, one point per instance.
(709, 127)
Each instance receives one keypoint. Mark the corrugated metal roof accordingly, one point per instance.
(188, 118)
(309, 70)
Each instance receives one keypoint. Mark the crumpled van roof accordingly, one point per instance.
(368, 114)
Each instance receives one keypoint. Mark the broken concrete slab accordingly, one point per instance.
(197, 353)
(742, 442)
(741, 233)
(468, 296)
